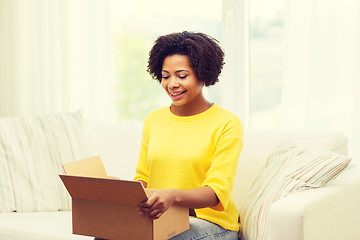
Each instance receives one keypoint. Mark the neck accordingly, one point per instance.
(190, 109)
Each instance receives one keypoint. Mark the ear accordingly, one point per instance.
(201, 82)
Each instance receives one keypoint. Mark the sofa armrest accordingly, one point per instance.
(330, 213)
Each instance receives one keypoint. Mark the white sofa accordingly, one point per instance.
(329, 213)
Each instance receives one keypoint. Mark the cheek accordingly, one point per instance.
(163, 85)
(199, 87)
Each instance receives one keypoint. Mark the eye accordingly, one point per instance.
(165, 77)
(182, 76)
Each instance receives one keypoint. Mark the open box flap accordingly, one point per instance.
(89, 167)
(104, 190)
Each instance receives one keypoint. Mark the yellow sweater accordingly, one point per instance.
(190, 152)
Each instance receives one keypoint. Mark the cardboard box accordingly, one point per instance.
(107, 208)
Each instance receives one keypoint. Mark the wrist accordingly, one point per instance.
(176, 196)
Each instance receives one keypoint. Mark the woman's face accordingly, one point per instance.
(180, 81)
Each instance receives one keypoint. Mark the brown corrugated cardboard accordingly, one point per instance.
(89, 167)
(107, 208)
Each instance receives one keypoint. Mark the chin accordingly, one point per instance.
(178, 103)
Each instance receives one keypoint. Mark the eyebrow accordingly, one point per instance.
(181, 70)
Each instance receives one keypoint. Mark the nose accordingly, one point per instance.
(173, 83)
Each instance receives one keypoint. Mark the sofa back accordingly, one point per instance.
(259, 144)
(118, 145)
(32, 151)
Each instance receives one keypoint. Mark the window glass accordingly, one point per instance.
(135, 26)
(266, 58)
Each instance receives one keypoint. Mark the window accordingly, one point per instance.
(134, 30)
(290, 65)
(266, 62)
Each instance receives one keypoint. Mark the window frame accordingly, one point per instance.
(235, 86)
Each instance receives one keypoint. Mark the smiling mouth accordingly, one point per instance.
(177, 94)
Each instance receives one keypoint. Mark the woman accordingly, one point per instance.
(189, 151)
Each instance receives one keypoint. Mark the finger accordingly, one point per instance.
(158, 215)
(150, 202)
(149, 210)
(152, 208)
(155, 214)
(142, 211)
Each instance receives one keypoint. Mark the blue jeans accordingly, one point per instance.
(205, 230)
(201, 229)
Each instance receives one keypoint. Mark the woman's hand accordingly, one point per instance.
(158, 202)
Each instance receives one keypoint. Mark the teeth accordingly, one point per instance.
(176, 94)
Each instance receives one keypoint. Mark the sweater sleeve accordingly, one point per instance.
(142, 168)
(221, 174)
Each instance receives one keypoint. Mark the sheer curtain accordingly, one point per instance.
(321, 83)
(55, 57)
(234, 83)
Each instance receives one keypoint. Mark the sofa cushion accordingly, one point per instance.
(259, 144)
(289, 169)
(32, 151)
(38, 226)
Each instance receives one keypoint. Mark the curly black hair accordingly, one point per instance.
(205, 55)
